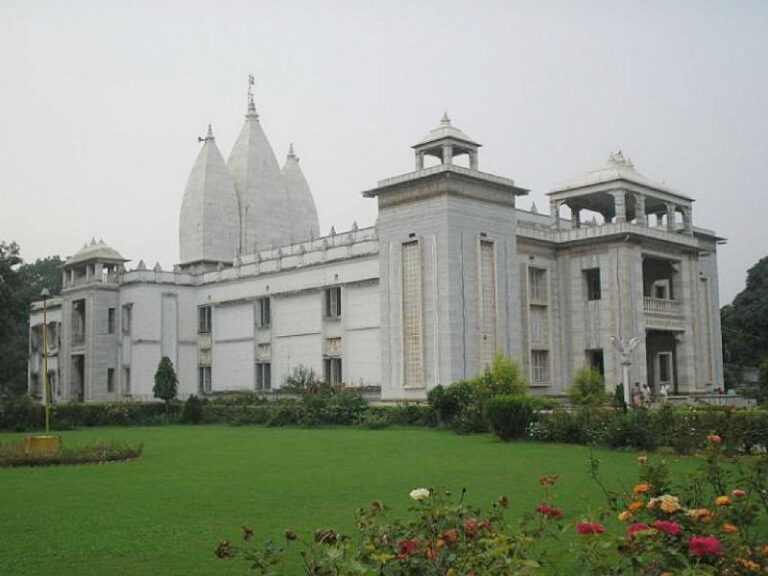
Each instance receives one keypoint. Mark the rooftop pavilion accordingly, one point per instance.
(620, 194)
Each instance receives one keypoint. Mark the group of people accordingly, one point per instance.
(641, 394)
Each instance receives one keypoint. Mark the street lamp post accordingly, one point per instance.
(45, 294)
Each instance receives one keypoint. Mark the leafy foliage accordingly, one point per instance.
(192, 413)
(12, 454)
(588, 388)
(745, 322)
(166, 381)
(510, 416)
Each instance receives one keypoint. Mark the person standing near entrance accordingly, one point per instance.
(664, 393)
(637, 395)
(646, 390)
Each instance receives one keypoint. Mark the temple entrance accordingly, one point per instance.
(661, 360)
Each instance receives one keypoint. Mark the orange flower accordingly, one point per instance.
(636, 506)
(668, 503)
(764, 550)
(625, 515)
(701, 514)
(729, 528)
(723, 500)
(642, 488)
(749, 564)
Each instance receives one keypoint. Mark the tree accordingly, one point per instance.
(745, 322)
(14, 311)
(166, 382)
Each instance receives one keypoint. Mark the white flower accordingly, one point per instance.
(420, 494)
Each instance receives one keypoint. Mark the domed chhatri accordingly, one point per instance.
(444, 143)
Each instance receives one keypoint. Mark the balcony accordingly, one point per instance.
(661, 306)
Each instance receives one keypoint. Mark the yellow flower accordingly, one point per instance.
(642, 488)
(723, 500)
(669, 504)
(625, 515)
(729, 528)
(636, 506)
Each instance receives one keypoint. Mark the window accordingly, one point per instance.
(110, 321)
(413, 347)
(333, 302)
(537, 284)
(204, 379)
(262, 312)
(263, 376)
(333, 346)
(595, 360)
(332, 370)
(127, 318)
(110, 380)
(539, 366)
(78, 321)
(592, 281)
(203, 319)
(264, 351)
(665, 367)
(538, 320)
(126, 380)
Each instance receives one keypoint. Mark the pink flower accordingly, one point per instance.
(635, 528)
(547, 511)
(738, 493)
(704, 546)
(590, 528)
(408, 547)
(672, 528)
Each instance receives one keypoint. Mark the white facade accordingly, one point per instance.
(452, 273)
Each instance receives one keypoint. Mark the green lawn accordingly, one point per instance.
(165, 513)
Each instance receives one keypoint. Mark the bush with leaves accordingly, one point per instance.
(511, 416)
(588, 388)
(192, 413)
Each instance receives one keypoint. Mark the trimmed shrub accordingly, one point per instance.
(510, 416)
(12, 454)
(192, 413)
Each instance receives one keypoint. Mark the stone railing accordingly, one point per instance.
(661, 306)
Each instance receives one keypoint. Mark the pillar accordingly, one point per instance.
(620, 205)
(473, 160)
(575, 216)
(447, 154)
(670, 216)
(642, 218)
(687, 219)
(419, 161)
(554, 211)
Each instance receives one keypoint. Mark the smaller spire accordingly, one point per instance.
(208, 135)
(445, 121)
(534, 210)
(291, 153)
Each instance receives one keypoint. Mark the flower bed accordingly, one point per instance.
(711, 523)
(12, 454)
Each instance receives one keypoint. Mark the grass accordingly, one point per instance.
(165, 513)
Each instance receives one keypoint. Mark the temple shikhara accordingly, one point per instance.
(452, 273)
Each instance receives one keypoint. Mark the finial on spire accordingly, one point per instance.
(251, 106)
(291, 153)
(208, 135)
(445, 121)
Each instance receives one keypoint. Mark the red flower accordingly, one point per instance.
(704, 546)
(635, 528)
(590, 528)
(738, 493)
(672, 528)
(714, 439)
(547, 511)
(408, 547)
(471, 526)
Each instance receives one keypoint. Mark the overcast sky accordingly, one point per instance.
(103, 102)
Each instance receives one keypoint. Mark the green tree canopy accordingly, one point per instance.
(745, 322)
(166, 382)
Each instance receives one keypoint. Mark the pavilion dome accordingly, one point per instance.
(444, 131)
(209, 225)
(304, 222)
(261, 190)
(95, 251)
